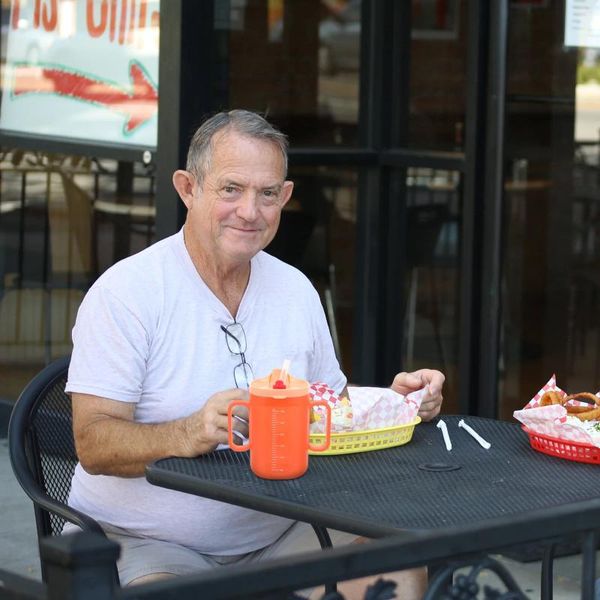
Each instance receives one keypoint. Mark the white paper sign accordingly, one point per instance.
(83, 69)
(582, 23)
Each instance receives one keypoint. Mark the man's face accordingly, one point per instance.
(235, 211)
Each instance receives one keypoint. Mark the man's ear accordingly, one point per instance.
(286, 192)
(183, 182)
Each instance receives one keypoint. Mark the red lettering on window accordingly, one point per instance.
(142, 19)
(50, 15)
(16, 14)
(113, 19)
(36, 14)
(123, 22)
(96, 30)
(131, 23)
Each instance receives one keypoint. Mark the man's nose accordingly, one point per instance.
(247, 207)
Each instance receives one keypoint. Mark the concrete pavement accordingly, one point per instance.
(18, 550)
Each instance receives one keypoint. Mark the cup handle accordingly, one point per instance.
(235, 447)
(325, 444)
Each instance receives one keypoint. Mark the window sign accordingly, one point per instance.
(82, 69)
(582, 23)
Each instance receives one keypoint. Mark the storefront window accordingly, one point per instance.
(430, 330)
(300, 63)
(438, 87)
(551, 254)
(75, 74)
(63, 221)
(317, 235)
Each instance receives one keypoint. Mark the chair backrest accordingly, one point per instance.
(42, 449)
(42, 452)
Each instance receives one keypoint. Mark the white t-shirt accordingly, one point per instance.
(148, 332)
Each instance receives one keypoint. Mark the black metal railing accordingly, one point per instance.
(460, 556)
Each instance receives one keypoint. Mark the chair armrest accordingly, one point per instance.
(70, 514)
(40, 498)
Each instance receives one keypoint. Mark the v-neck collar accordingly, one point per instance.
(214, 303)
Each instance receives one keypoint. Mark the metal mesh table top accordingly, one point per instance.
(381, 492)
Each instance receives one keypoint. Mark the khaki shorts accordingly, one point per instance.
(145, 556)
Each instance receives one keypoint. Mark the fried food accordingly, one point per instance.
(592, 414)
(589, 412)
(584, 397)
(550, 398)
(583, 413)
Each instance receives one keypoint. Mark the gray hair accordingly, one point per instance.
(244, 122)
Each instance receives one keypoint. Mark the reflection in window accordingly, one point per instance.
(63, 221)
(439, 45)
(430, 331)
(303, 67)
(339, 65)
(317, 235)
(550, 251)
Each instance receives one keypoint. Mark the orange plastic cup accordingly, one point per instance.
(279, 421)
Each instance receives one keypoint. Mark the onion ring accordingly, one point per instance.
(550, 398)
(584, 397)
(591, 415)
(584, 413)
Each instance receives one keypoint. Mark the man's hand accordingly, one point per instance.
(208, 427)
(433, 381)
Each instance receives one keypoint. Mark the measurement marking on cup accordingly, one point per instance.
(277, 439)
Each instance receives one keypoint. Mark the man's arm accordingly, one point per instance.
(110, 442)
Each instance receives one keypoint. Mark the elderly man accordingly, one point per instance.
(167, 338)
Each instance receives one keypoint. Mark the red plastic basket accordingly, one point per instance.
(563, 448)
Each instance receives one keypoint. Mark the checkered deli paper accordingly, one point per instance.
(553, 420)
(366, 408)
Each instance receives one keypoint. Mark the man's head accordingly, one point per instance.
(234, 188)
(245, 123)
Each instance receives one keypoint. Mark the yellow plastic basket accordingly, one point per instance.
(348, 442)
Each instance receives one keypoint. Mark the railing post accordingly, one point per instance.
(588, 567)
(80, 566)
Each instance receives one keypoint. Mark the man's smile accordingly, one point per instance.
(244, 229)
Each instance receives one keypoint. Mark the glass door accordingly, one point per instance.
(551, 211)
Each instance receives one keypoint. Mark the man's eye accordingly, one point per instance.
(230, 191)
(270, 196)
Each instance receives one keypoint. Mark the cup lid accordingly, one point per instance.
(294, 387)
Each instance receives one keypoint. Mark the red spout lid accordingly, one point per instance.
(270, 388)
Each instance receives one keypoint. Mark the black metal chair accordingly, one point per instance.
(42, 451)
(43, 456)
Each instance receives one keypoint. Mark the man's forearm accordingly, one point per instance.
(112, 446)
